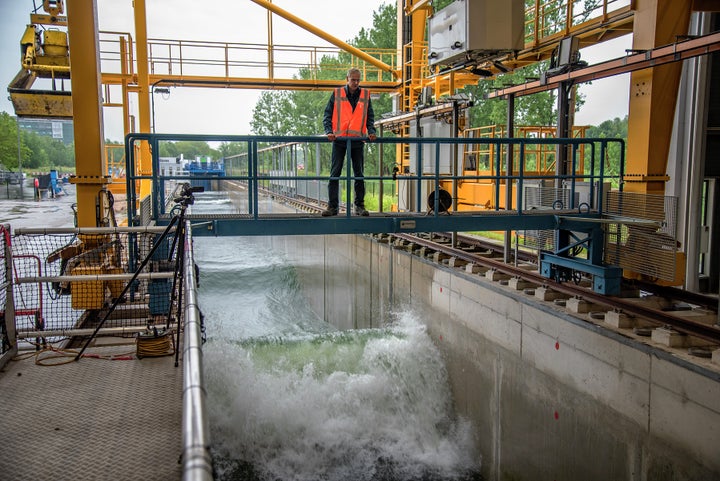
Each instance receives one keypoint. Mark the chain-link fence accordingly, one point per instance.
(67, 281)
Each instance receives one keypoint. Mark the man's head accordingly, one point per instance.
(353, 79)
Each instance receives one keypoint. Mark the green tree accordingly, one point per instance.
(271, 115)
(610, 129)
(227, 149)
(9, 143)
(301, 112)
(59, 155)
(536, 109)
(188, 148)
(39, 151)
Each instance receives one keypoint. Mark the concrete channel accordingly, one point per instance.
(552, 396)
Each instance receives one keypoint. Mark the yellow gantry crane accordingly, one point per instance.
(406, 72)
(44, 53)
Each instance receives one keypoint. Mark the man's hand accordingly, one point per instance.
(331, 137)
(372, 137)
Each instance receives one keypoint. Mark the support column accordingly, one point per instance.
(653, 94)
(507, 251)
(563, 166)
(143, 93)
(90, 166)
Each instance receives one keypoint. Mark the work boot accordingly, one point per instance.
(329, 212)
(360, 210)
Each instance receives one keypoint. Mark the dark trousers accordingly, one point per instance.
(336, 170)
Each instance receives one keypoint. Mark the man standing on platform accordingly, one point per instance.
(348, 113)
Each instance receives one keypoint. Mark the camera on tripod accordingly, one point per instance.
(185, 197)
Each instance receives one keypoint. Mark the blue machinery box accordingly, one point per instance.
(159, 290)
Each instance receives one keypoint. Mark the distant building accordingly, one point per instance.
(172, 166)
(61, 130)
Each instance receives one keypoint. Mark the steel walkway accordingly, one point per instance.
(94, 419)
(253, 173)
(406, 222)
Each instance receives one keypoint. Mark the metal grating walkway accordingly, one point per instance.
(301, 223)
(94, 419)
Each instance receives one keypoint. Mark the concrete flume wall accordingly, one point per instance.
(551, 396)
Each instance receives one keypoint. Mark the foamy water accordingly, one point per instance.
(292, 398)
(361, 405)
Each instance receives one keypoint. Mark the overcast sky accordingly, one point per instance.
(229, 111)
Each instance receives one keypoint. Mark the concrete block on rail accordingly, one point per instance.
(495, 275)
(619, 320)
(455, 262)
(519, 284)
(546, 294)
(578, 306)
(475, 269)
(669, 337)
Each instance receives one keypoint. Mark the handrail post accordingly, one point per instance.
(253, 184)
(381, 187)
(418, 173)
(9, 307)
(349, 176)
(509, 167)
(436, 195)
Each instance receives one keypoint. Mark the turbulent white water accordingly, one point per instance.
(292, 398)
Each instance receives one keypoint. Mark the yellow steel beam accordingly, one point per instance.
(270, 43)
(676, 52)
(50, 71)
(333, 40)
(143, 83)
(244, 82)
(604, 27)
(653, 93)
(87, 111)
(124, 84)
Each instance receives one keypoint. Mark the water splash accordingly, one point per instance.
(248, 291)
(290, 398)
(360, 405)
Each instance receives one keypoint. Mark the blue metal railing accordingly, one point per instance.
(255, 175)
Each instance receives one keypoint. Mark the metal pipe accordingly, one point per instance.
(335, 41)
(90, 230)
(110, 331)
(95, 277)
(197, 462)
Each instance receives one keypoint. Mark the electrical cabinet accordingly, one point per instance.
(468, 30)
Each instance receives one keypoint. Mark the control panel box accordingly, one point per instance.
(469, 30)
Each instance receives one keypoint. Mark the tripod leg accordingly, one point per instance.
(127, 286)
(179, 281)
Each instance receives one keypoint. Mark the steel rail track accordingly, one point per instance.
(701, 300)
(663, 318)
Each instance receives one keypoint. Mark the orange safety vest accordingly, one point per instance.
(347, 122)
